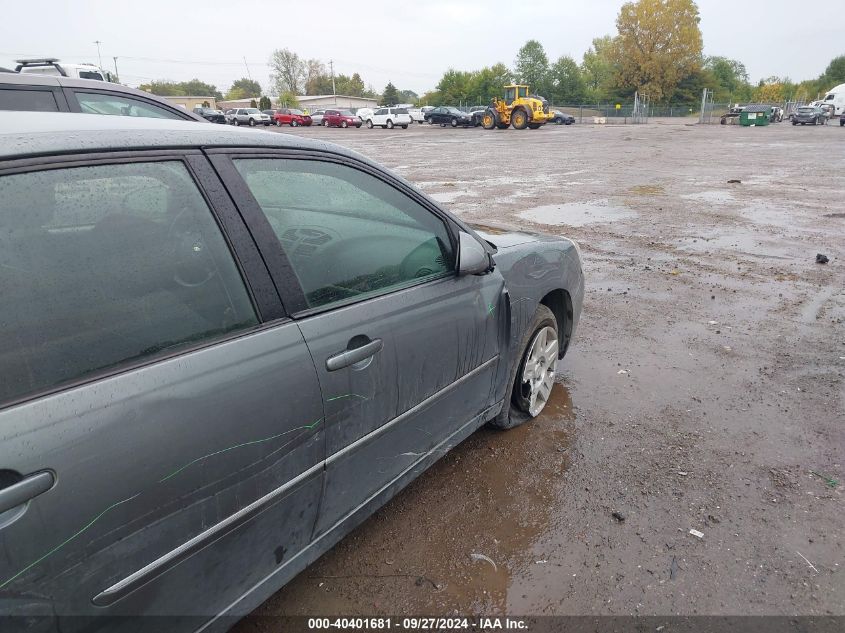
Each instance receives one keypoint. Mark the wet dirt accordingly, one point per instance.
(704, 389)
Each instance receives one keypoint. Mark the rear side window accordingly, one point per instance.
(106, 265)
(120, 105)
(87, 74)
(28, 100)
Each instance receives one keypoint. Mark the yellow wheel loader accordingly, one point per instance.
(517, 108)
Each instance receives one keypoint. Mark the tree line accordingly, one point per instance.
(657, 51)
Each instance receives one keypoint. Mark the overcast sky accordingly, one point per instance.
(408, 42)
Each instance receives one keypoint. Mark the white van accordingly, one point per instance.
(836, 97)
(51, 66)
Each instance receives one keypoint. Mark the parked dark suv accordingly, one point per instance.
(47, 93)
(221, 351)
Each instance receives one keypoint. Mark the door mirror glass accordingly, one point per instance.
(473, 258)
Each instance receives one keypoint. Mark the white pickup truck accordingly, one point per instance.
(51, 66)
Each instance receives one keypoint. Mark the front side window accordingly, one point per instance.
(106, 265)
(347, 234)
(120, 105)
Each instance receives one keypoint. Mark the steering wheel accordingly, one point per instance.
(194, 266)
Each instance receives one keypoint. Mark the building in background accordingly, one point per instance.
(189, 103)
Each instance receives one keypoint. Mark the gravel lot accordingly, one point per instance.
(704, 389)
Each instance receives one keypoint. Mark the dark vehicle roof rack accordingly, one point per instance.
(43, 61)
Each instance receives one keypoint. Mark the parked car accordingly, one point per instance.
(212, 337)
(389, 118)
(249, 116)
(340, 118)
(364, 113)
(562, 118)
(317, 117)
(809, 114)
(416, 115)
(47, 93)
(291, 117)
(777, 115)
(477, 115)
(447, 115)
(210, 114)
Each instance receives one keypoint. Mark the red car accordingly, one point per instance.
(291, 117)
(340, 118)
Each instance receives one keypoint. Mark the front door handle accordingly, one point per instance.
(26, 489)
(356, 355)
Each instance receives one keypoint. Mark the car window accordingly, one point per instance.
(120, 105)
(347, 234)
(108, 264)
(87, 74)
(28, 100)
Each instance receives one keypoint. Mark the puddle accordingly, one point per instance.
(748, 244)
(493, 495)
(647, 190)
(714, 197)
(577, 213)
(764, 212)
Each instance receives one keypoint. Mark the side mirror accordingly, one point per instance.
(473, 258)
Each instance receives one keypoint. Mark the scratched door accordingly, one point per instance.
(161, 444)
(404, 348)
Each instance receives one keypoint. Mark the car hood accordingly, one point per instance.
(503, 237)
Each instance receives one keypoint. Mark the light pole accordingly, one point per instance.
(116, 74)
(99, 57)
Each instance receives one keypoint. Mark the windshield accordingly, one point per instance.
(295, 111)
(451, 110)
(806, 109)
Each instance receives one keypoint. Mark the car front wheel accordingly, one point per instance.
(389, 124)
(370, 124)
(532, 377)
(252, 123)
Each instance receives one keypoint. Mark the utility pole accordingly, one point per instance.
(334, 90)
(116, 75)
(98, 42)
(249, 74)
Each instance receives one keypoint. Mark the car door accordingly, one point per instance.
(161, 424)
(406, 350)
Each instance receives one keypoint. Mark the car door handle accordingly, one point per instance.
(26, 489)
(356, 355)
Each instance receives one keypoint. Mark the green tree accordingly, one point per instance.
(253, 103)
(287, 100)
(489, 82)
(287, 71)
(659, 43)
(731, 78)
(566, 83)
(455, 86)
(246, 87)
(532, 66)
(407, 96)
(597, 69)
(194, 87)
(834, 74)
(390, 94)
(264, 103)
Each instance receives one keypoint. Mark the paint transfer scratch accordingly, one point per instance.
(160, 481)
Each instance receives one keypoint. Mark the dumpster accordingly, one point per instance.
(755, 115)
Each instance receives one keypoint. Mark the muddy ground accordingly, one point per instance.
(704, 390)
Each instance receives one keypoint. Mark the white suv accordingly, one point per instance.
(389, 118)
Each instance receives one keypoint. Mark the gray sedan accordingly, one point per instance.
(222, 351)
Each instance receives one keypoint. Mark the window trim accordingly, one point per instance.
(73, 101)
(268, 242)
(249, 264)
(58, 95)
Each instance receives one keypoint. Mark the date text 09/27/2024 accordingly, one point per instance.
(418, 624)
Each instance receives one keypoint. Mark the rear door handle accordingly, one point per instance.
(26, 489)
(352, 356)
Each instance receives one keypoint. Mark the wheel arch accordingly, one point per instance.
(560, 303)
